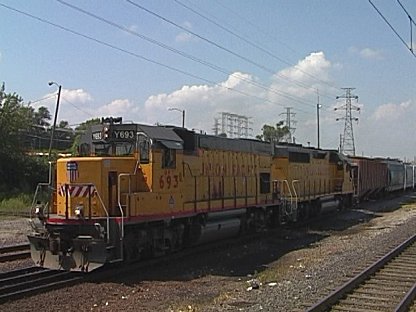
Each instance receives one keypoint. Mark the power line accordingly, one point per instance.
(186, 55)
(105, 43)
(108, 45)
(247, 21)
(392, 28)
(135, 54)
(257, 46)
(412, 22)
(81, 110)
(42, 99)
(246, 59)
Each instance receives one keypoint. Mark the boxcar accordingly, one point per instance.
(371, 177)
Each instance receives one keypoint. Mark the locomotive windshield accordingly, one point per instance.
(114, 148)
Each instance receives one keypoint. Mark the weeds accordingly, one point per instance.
(16, 205)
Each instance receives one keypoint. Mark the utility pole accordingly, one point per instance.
(347, 146)
(318, 106)
(289, 122)
(50, 83)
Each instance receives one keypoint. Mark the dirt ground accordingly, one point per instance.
(282, 271)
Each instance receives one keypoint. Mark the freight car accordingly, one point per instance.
(371, 177)
(139, 191)
(375, 177)
(409, 176)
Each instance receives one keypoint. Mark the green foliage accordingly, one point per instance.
(80, 130)
(84, 126)
(18, 171)
(273, 134)
(16, 205)
(41, 117)
(21, 173)
(14, 118)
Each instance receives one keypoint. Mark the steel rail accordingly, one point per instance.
(31, 283)
(338, 294)
(14, 252)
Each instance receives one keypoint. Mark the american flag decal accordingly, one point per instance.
(72, 171)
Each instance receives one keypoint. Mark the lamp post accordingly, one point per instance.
(50, 83)
(318, 106)
(179, 110)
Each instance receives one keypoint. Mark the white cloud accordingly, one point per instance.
(74, 105)
(367, 53)
(378, 133)
(304, 78)
(133, 28)
(119, 107)
(391, 111)
(76, 95)
(185, 36)
(388, 130)
(240, 94)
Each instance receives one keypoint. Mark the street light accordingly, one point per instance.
(179, 110)
(50, 83)
(318, 106)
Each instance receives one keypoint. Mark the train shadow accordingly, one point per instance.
(250, 256)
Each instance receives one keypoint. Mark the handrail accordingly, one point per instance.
(288, 188)
(286, 182)
(101, 201)
(106, 212)
(189, 168)
(121, 208)
(296, 194)
(119, 198)
(34, 197)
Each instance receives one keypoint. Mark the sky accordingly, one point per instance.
(138, 58)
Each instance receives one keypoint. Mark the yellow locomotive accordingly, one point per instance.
(140, 191)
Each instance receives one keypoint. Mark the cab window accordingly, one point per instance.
(144, 148)
(169, 158)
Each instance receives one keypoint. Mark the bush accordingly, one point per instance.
(16, 205)
(20, 174)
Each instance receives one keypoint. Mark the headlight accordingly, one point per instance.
(39, 212)
(79, 211)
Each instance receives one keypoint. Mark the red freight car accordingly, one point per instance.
(371, 177)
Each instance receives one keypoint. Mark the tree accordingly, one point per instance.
(18, 171)
(81, 129)
(42, 117)
(15, 118)
(273, 134)
(63, 124)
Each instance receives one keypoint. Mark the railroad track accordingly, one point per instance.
(33, 280)
(389, 284)
(14, 252)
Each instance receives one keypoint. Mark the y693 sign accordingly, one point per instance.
(123, 134)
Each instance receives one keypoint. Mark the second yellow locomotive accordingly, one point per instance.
(140, 191)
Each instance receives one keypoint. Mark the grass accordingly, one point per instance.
(15, 206)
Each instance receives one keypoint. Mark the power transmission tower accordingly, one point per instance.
(347, 145)
(233, 125)
(289, 123)
(216, 127)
